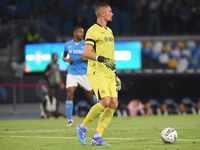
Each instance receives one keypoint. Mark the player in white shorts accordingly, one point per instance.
(73, 53)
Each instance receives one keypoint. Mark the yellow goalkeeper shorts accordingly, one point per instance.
(103, 86)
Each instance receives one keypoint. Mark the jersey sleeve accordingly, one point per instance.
(44, 102)
(48, 67)
(66, 49)
(91, 37)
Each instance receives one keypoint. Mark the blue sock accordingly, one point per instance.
(95, 99)
(69, 109)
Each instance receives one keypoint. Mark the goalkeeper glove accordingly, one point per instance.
(109, 63)
(118, 83)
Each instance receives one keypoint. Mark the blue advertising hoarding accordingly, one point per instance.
(37, 56)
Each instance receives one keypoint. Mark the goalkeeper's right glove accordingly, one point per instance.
(109, 63)
(118, 83)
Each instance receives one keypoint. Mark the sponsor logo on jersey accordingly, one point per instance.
(109, 39)
(75, 51)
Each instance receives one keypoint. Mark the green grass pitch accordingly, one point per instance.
(131, 133)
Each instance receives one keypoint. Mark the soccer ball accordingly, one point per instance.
(169, 135)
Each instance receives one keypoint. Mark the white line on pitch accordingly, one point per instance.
(13, 136)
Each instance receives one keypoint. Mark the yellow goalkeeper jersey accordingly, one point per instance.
(102, 40)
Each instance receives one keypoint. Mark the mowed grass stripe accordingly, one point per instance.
(13, 136)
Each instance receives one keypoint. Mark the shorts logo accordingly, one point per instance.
(103, 91)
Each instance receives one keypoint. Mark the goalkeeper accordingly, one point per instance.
(99, 49)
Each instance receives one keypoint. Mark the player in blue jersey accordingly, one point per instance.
(73, 53)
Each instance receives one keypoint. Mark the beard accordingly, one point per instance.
(109, 20)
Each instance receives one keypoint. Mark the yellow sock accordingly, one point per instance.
(105, 119)
(87, 122)
(100, 129)
(94, 112)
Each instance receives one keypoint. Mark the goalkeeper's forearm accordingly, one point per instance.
(88, 52)
(91, 55)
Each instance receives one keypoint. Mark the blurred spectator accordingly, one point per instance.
(158, 107)
(53, 75)
(154, 18)
(80, 20)
(3, 91)
(198, 107)
(148, 110)
(187, 106)
(3, 17)
(11, 10)
(169, 107)
(153, 107)
(33, 11)
(49, 106)
(146, 16)
(165, 15)
(43, 14)
(184, 16)
(136, 107)
(32, 36)
(122, 110)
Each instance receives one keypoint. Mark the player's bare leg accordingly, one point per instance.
(91, 96)
(111, 105)
(69, 105)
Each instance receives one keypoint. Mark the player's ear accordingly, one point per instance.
(74, 33)
(102, 13)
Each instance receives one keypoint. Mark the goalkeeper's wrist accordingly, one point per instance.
(100, 58)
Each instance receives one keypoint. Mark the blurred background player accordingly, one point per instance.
(53, 75)
(77, 71)
(49, 106)
(99, 49)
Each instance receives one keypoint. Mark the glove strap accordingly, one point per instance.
(115, 73)
(100, 58)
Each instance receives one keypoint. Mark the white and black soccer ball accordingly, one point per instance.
(169, 135)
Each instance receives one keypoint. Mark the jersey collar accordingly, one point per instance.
(101, 26)
(79, 42)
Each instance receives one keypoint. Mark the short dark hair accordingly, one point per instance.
(76, 27)
(53, 55)
(99, 7)
(102, 5)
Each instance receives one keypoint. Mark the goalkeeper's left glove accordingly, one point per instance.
(109, 63)
(118, 83)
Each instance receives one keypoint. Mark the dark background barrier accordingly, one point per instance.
(134, 86)
(144, 87)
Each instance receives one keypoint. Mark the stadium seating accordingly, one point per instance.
(67, 27)
(172, 63)
(138, 10)
(178, 55)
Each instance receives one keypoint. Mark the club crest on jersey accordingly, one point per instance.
(106, 38)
